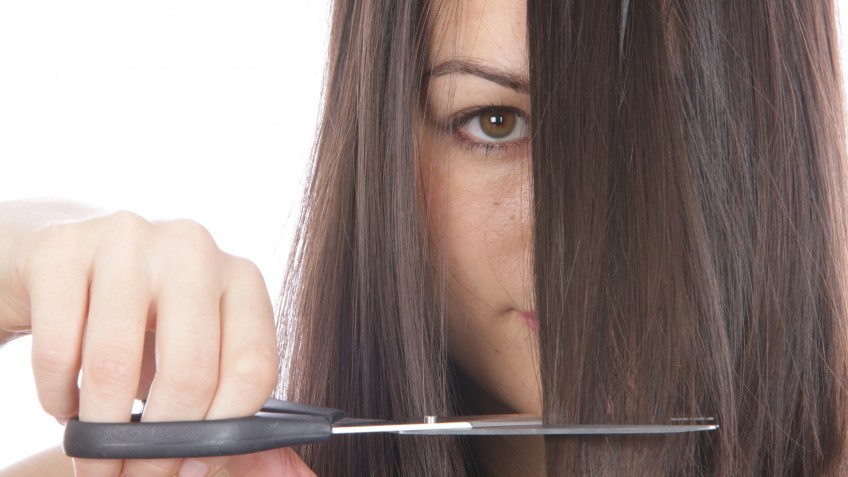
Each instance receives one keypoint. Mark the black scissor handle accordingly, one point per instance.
(153, 440)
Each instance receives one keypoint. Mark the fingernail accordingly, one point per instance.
(193, 468)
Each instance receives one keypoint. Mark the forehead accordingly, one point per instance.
(493, 32)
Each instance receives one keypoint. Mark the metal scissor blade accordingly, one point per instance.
(362, 426)
(569, 429)
(518, 424)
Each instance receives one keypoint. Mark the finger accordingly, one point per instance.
(58, 293)
(276, 462)
(249, 358)
(113, 343)
(187, 346)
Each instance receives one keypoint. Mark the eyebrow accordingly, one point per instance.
(505, 78)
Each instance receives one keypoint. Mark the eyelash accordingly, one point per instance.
(462, 118)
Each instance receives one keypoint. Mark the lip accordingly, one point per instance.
(529, 320)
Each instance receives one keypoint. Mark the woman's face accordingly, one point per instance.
(476, 170)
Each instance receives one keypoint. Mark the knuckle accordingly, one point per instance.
(190, 242)
(127, 223)
(125, 237)
(246, 267)
(55, 244)
(192, 382)
(52, 362)
(111, 370)
(255, 369)
(54, 234)
(189, 233)
(247, 271)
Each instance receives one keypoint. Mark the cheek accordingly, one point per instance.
(504, 221)
(486, 234)
(489, 216)
(480, 221)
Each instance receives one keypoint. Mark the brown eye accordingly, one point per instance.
(496, 125)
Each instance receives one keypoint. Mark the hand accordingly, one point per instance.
(90, 291)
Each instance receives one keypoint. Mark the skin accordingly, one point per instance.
(66, 273)
(479, 191)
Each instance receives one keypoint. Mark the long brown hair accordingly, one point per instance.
(365, 332)
(689, 242)
(690, 232)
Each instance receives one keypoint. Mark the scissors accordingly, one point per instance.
(285, 424)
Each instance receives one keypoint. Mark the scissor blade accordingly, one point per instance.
(362, 426)
(518, 424)
(571, 429)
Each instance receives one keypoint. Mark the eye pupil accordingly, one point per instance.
(498, 123)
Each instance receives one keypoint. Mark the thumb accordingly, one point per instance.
(276, 462)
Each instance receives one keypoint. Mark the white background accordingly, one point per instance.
(203, 110)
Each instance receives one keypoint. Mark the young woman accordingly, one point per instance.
(673, 246)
